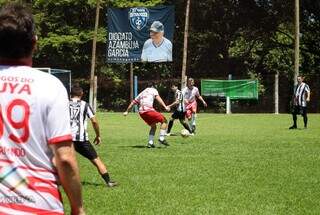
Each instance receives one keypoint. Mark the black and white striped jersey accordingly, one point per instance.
(80, 111)
(181, 106)
(300, 95)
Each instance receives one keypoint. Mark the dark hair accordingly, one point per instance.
(76, 90)
(151, 84)
(174, 84)
(17, 31)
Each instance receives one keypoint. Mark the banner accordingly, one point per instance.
(235, 89)
(140, 34)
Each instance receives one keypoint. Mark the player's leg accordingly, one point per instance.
(152, 132)
(170, 125)
(86, 149)
(193, 122)
(163, 131)
(294, 117)
(305, 117)
(185, 125)
(102, 169)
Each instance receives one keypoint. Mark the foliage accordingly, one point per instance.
(240, 37)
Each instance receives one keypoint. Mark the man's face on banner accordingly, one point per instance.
(156, 35)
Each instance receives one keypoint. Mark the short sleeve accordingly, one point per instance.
(155, 93)
(58, 115)
(197, 92)
(144, 57)
(90, 112)
(307, 88)
(137, 99)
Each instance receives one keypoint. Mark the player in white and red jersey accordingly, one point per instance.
(146, 111)
(191, 93)
(36, 143)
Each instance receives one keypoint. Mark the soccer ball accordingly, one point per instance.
(185, 133)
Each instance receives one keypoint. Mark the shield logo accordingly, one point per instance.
(138, 17)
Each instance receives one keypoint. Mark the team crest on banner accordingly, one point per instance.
(138, 17)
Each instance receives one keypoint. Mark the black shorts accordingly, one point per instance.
(299, 110)
(178, 115)
(86, 149)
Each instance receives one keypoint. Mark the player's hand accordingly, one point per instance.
(308, 99)
(97, 140)
(205, 104)
(125, 113)
(168, 108)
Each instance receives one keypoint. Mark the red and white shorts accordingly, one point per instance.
(152, 117)
(190, 109)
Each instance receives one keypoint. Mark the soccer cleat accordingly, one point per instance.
(293, 127)
(164, 142)
(191, 134)
(150, 145)
(168, 134)
(112, 184)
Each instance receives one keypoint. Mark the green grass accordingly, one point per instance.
(238, 164)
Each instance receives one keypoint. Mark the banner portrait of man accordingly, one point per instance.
(140, 34)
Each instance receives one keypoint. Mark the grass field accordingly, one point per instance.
(238, 164)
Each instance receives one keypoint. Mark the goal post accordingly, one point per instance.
(62, 74)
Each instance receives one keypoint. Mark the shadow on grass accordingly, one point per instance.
(88, 183)
(143, 147)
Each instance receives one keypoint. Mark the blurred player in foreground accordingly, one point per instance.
(179, 110)
(80, 111)
(35, 135)
(146, 111)
(191, 93)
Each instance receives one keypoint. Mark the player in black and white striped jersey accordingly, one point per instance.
(300, 99)
(180, 110)
(80, 111)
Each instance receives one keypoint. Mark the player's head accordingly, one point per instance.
(300, 79)
(156, 30)
(174, 87)
(17, 32)
(76, 91)
(151, 84)
(190, 82)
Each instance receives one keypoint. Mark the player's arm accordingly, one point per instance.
(68, 171)
(308, 96)
(96, 128)
(161, 102)
(202, 100)
(129, 107)
(173, 103)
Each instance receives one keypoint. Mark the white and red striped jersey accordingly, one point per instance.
(145, 99)
(190, 95)
(33, 114)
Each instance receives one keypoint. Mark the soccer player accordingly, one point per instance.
(80, 111)
(157, 48)
(35, 135)
(180, 110)
(146, 111)
(300, 99)
(191, 93)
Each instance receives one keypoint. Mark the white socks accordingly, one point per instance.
(151, 137)
(162, 134)
(193, 120)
